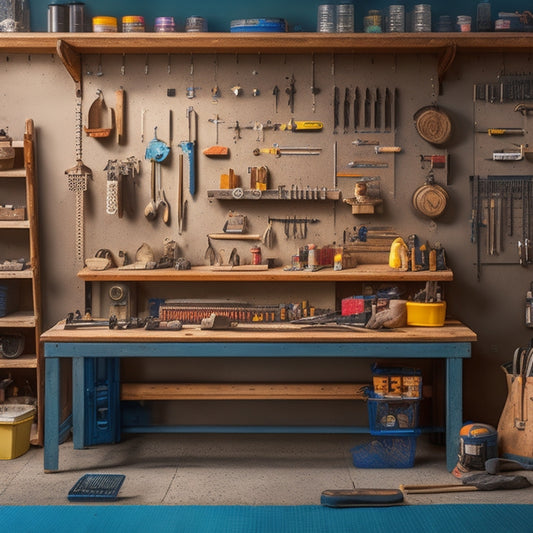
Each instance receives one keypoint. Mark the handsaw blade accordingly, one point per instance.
(377, 111)
(346, 109)
(368, 110)
(356, 108)
(388, 110)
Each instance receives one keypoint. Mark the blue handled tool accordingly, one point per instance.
(189, 148)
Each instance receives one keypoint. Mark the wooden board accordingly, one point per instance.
(243, 391)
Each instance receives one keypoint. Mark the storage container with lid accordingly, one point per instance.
(104, 24)
(132, 23)
(164, 24)
(14, 15)
(15, 429)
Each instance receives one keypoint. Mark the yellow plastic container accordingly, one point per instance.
(426, 314)
(15, 428)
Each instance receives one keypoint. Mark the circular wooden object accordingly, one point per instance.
(430, 200)
(433, 125)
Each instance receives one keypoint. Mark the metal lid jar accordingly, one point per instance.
(104, 24)
(132, 23)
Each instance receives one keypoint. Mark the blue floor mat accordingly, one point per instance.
(116, 518)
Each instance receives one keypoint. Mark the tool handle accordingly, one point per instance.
(388, 149)
(436, 489)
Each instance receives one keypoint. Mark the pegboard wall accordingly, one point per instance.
(235, 94)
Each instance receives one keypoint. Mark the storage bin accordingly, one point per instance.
(390, 414)
(387, 451)
(15, 428)
(426, 314)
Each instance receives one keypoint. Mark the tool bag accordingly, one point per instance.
(515, 427)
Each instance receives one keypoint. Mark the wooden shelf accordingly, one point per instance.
(24, 361)
(70, 46)
(14, 224)
(20, 319)
(272, 194)
(278, 43)
(242, 391)
(206, 274)
(27, 273)
(13, 173)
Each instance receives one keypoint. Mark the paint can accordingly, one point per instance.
(345, 18)
(57, 17)
(326, 18)
(164, 24)
(195, 24)
(396, 18)
(76, 17)
(422, 18)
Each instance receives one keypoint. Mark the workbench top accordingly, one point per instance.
(452, 331)
(363, 272)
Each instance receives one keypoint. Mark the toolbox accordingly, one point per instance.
(15, 429)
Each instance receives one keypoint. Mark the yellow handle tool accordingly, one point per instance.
(302, 125)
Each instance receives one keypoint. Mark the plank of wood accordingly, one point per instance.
(235, 236)
(239, 267)
(243, 391)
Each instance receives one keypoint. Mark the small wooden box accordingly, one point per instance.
(12, 213)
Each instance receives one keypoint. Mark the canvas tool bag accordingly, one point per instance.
(515, 428)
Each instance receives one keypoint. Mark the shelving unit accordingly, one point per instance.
(70, 46)
(24, 286)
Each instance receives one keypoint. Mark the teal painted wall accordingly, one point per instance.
(300, 14)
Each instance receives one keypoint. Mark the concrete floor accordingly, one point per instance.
(232, 470)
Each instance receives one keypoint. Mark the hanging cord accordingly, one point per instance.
(77, 183)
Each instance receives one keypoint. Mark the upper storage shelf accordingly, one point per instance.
(267, 43)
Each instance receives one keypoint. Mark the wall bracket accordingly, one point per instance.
(71, 60)
(446, 60)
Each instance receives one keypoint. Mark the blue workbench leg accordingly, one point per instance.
(454, 409)
(52, 379)
(78, 402)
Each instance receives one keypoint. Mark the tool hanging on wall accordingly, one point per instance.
(216, 150)
(356, 108)
(314, 89)
(377, 110)
(77, 177)
(100, 119)
(293, 226)
(156, 152)
(301, 125)
(116, 189)
(120, 96)
(291, 91)
(336, 104)
(278, 151)
(189, 147)
(497, 132)
(388, 110)
(500, 210)
(346, 114)
(275, 92)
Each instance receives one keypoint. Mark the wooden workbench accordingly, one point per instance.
(451, 342)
